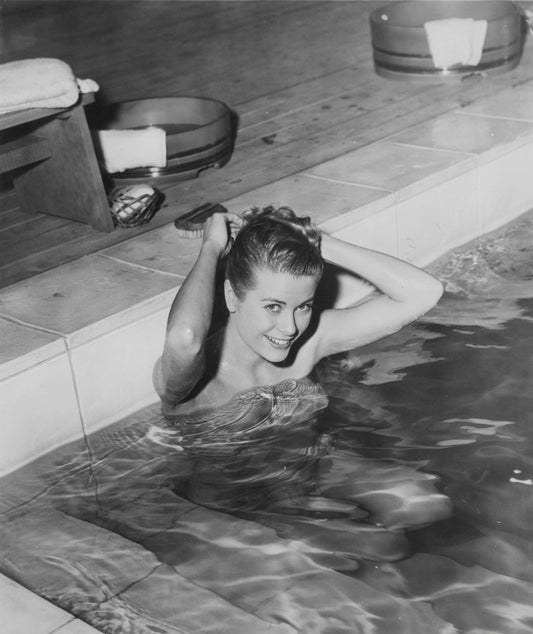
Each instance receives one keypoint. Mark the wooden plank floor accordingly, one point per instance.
(298, 74)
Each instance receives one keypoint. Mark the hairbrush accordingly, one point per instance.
(191, 224)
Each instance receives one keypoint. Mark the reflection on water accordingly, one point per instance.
(390, 494)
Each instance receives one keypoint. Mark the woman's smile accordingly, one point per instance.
(274, 313)
(280, 343)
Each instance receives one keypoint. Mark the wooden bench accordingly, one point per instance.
(57, 171)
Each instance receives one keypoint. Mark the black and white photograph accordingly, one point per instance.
(266, 317)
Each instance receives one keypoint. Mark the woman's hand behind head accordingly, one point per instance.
(220, 228)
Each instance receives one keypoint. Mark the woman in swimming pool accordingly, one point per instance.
(273, 332)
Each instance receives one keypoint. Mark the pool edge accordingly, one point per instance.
(96, 374)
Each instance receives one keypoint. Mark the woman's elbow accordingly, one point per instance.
(431, 294)
(437, 290)
(184, 341)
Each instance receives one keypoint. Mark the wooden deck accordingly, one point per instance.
(298, 74)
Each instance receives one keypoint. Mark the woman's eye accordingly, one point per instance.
(305, 307)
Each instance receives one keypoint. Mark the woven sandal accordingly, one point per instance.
(134, 205)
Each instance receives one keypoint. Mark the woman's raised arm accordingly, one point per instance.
(182, 364)
(406, 293)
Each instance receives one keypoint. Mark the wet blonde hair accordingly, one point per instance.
(277, 239)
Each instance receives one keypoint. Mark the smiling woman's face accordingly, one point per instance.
(273, 314)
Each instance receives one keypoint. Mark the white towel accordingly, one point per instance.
(42, 82)
(127, 149)
(455, 41)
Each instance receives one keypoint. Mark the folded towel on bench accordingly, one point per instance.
(127, 149)
(42, 82)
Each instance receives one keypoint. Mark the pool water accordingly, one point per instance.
(390, 494)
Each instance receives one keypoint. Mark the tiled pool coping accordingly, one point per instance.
(79, 341)
(24, 612)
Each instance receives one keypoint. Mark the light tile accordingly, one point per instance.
(21, 487)
(82, 560)
(322, 200)
(23, 347)
(39, 412)
(512, 103)
(123, 319)
(505, 190)
(400, 168)
(114, 372)
(467, 133)
(162, 249)
(439, 219)
(359, 215)
(379, 232)
(78, 294)
(167, 601)
(23, 612)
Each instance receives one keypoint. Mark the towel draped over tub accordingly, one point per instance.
(455, 41)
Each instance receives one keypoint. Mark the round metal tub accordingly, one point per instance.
(401, 49)
(198, 134)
